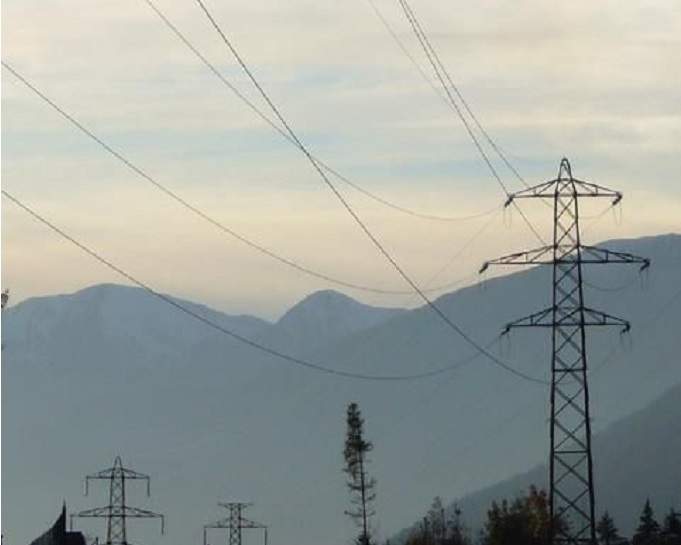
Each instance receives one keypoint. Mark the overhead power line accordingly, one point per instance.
(407, 54)
(198, 212)
(412, 17)
(472, 342)
(440, 71)
(288, 137)
(226, 331)
(442, 74)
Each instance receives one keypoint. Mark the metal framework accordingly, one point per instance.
(571, 463)
(117, 511)
(235, 522)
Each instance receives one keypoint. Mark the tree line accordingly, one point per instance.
(524, 520)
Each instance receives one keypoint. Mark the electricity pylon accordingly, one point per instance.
(571, 463)
(117, 511)
(235, 522)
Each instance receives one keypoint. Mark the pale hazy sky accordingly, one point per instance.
(599, 82)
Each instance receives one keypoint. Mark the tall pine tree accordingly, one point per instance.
(606, 530)
(438, 523)
(361, 485)
(648, 529)
(671, 528)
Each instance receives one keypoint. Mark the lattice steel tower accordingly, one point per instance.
(235, 522)
(117, 511)
(571, 462)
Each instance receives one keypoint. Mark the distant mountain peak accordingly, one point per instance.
(334, 305)
(329, 315)
(116, 312)
(330, 299)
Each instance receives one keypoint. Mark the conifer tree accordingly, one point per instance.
(438, 524)
(606, 530)
(458, 533)
(648, 528)
(671, 528)
(360, 484)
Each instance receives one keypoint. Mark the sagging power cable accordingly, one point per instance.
(213, 69)
(197, 211)
(222, 329)
(442, 75)
(472, 342)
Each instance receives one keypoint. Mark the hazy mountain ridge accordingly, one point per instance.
(326, 317)
(212, 418)
(114, 313)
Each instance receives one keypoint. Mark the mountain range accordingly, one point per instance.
(111, 370)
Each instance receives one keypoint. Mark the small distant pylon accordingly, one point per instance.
(235, 522)
(117, 511)
(571, 494)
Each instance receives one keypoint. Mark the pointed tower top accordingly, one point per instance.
(565, 171)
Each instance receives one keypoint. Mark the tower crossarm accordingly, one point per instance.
(118, 472)
(111, 472)
(594, 255)
(246, 523)
(552, 188)
(597, 318)
(89, 513)
(587, 255)
(538, 256)
(235, 505)
(134, 512)
(119, 511)
(543, 318)
(550, 317)
(108, 473)
(547, 190)
(223, 523)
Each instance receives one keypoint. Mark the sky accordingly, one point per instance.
(596, 82)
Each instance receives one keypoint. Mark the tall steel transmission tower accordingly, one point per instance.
(571, 462)
(235, 522)
(117, 512)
